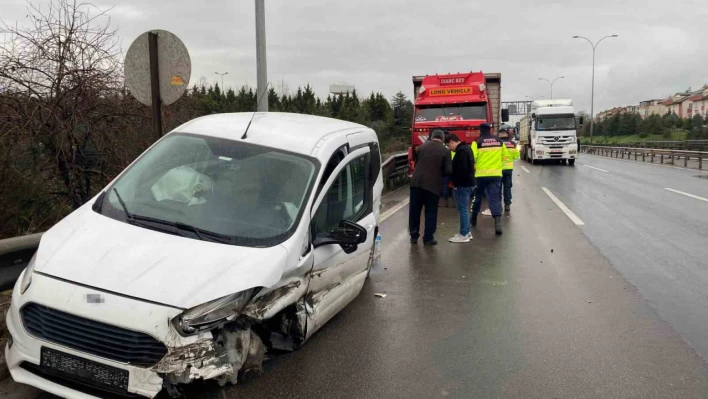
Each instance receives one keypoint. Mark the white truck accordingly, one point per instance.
(550, 132)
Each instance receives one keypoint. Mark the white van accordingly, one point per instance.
(233, 234)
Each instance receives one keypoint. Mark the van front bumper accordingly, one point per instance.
(24, 351)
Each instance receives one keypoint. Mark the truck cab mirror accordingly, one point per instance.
(533, 116)
(397, 112)
(505, 115)
(581, 120)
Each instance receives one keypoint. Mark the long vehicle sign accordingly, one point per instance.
(451, 91)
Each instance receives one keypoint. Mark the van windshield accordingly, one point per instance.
(250, 193)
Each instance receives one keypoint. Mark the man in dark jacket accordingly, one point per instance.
(432, 162)
(463, 182)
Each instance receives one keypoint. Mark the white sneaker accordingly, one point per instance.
(488, 212)
(469, 236)
(459, 238)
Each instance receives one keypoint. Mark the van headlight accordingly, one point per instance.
(27, 276)
(213, 314)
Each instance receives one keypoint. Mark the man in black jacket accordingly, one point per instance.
(432, 162)
(463, 182)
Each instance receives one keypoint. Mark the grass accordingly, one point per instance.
(675, 136)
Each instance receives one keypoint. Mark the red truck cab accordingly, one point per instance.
(458, 103)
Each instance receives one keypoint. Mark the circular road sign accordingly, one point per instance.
(175, 67)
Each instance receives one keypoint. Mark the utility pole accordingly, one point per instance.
(261, 66)
(592, 90)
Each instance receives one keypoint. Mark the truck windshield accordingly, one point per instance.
(451, 112)
(250, 193)
(555, 122)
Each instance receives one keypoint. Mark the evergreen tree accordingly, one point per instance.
(273, 100)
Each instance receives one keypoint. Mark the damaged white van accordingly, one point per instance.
(232, 235)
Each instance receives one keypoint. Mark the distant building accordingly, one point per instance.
(652, 107)
(697, 103)
(684, 105)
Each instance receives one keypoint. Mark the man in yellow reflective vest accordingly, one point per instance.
(508, 166)
(489, 153)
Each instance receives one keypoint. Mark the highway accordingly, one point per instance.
(597, 289)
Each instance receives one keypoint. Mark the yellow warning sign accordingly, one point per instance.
(177, 81)
(451, 91)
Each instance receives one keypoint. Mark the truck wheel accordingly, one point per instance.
(571, 162)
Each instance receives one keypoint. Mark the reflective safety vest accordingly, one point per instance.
(489, 153)
(513, 150)
(452, 154)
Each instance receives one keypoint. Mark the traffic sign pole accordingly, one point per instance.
(261, 64)
(155, 85)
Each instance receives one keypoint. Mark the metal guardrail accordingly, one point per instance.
(395, 168)
(16, 252)
(688, 159)
(686, 145)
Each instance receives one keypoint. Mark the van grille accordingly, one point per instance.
(89, 336)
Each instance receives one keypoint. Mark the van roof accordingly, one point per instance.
(298, 133)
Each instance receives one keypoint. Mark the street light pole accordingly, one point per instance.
(592, 90)
(552, 83)
(262, 88)
(223, 89)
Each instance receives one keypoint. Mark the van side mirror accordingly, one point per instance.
(505, 115)
(348, 235)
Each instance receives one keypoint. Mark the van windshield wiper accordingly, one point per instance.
(204, 235)
(200, 233)
(128, 215)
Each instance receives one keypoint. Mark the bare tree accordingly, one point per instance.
(60, 84)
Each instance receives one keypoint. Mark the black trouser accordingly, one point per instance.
(507, 184)
(423, 198)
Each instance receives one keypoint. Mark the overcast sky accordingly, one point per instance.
(377, 45)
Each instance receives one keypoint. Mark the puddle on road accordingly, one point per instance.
(701, 176)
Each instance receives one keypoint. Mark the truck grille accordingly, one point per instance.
(556, 140)
(89, 336)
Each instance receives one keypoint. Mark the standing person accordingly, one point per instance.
(508, 166)
(463, 184)
(446, 189)
(488, 152)
(432, 163)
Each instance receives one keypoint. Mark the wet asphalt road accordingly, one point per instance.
(540, 312)
(543, 311)
(657, 239)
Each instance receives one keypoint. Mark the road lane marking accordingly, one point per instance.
(592, 167)
(564, 208)
(524, 168)
(395, 209)
(687, 194)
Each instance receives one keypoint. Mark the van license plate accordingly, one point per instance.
(82, 370)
